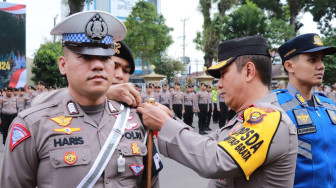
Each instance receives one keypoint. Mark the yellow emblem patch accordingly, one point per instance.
(303, 117)
(67, 130)
(116, 47)
(62, 120)
(301, 99)
(135, 148)
(249, 145)
(70, 157)
(317, 40)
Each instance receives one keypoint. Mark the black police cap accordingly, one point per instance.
(41, 82)
(31, 87)
(306, 43)
(229, 50)
(121, 50)
(8, 89)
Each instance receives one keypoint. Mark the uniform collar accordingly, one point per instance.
(73, 109)
(295, 93)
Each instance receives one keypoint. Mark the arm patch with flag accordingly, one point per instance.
(249, 146)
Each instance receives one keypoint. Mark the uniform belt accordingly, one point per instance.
(106, 152)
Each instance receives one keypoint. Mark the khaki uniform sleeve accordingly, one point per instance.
(19, 168)
(197, 152)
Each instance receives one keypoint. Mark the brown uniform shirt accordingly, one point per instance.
(9, 105)
(59, 152)
(201, 98)
(189, 99)
(21, 103)
(176, 98)
(204, 155)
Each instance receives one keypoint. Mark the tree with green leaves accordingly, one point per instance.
(246, 20)
(208, 39)
(323, 12)
(169, 67)
(45, 65)
(147, 34)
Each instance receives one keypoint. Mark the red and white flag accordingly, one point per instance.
(12, 8)
(18, 79)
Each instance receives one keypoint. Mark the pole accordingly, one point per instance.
(150, 151)
(54, 26)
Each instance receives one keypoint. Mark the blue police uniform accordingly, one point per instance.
(316, 126)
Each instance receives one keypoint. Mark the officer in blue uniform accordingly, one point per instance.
(313, 113)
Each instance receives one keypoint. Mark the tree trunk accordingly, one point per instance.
(294, 9)
(143, 66)
(76, 6)
(208, 61)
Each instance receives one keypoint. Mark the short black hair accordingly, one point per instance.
(261, 62)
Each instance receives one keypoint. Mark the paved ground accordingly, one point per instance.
(173, 174)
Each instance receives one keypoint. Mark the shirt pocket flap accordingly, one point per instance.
(133, 148)
(70, 156)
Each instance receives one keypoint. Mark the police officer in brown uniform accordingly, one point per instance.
(148, 94)
(61, 142)
(222, 110)
(9, 110)
(188, 108)
(21, 99)
(177, 102)
(164, 96)
(257, 148)
(157, 92)
(202, 106)
(30, 95)
(211, 108)
(40, 87)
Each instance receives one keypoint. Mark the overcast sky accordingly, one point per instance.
(41, 13)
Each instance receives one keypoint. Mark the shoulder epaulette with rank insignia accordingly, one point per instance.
(249, 145)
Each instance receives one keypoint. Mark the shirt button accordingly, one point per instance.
(125, 150)
(84, 158)
(107, 181)
(56, 161)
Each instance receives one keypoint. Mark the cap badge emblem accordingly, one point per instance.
(116, 47)
(96, 29)
(317, 40)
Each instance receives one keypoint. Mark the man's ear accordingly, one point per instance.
(250, 71)
(288, 65)
(61, 64)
